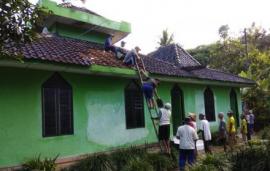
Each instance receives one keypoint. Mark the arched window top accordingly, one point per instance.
(208, 91)
(133, 85)
(176, 88)
(233, 93)
(56, 81)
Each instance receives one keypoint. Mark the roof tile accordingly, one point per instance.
(170, 60)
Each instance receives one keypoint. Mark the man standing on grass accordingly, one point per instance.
(204, 128)
(187, 136)
(231, 129)
(244, 129)
(222, 132)
(251, 122)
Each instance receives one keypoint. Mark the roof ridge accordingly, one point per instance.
(228, 73)
(177, 54)
(191, 57)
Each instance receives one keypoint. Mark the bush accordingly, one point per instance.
(265, 133)
(96, 162)
(251, 158)
(121, 157)
(138, 165)
(213, 162)
(129, 159)
(47, 164)
(160, 162)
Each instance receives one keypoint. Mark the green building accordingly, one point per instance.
(70, 97)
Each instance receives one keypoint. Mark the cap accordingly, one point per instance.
(201, 114)
(190, 114)
(168, 106)
(137, 48)
(230, 112)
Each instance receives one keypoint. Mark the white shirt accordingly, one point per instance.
(251, 118)
(195, 125)
(165, 116)
(248, 118)
(187, 136)
(204, 126)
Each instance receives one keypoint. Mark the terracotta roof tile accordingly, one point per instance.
(170, 61)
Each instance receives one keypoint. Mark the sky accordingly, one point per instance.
(193, 22)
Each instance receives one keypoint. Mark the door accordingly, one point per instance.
(177, 102)
(234, 106)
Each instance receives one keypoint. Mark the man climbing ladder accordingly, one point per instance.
(149, 87)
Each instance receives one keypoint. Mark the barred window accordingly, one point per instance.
(134, 106)
(57, 107)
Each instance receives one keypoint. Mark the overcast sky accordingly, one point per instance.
(193, 22)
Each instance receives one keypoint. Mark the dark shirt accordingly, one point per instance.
(108, 42)
(222, 128)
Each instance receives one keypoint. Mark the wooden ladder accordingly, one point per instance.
(149, 109)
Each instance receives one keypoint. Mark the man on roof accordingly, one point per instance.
(131, 56)
(108, 46)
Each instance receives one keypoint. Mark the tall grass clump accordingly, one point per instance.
(38, 164)
(137, 164)
(251, 158)
(96, 162)
(212, 162)
(121, 157)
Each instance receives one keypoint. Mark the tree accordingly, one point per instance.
(223, 31)
(201, 53)
(17, 18)
(166, 38)
(229, 55)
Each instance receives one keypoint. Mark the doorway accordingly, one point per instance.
(234, 105)
(178, 113)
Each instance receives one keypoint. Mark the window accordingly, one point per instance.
(234, 105)
(134, 106)
(178, 114)
(209, 104)
(57, 109)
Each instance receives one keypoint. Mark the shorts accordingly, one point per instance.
(148, 91)
(164, 132)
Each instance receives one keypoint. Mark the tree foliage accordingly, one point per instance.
(18, 19)
(229, 54)
(166, 38)
(223, 31)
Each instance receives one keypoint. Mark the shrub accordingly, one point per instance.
(265, 133)
(47, 164)
(96, 162)
(160, 162)
(121, 157)
(213, 162)
(254, 157)
(200, 167)
(137, 164)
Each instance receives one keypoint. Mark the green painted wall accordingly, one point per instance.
(78, 33)
(99, 118)
(194, 99)
(76, 15)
